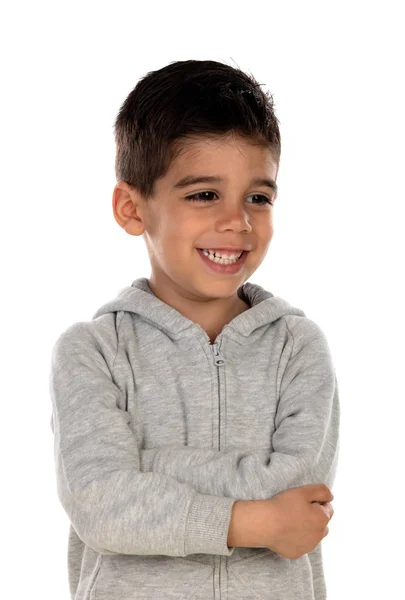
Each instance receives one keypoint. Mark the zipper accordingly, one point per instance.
(219, 361)
(218, 357)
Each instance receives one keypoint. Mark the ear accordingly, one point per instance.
(125, 204)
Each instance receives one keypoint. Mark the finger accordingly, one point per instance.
(327, 509)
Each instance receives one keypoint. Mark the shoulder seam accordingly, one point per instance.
(118, 331)
(292, 335)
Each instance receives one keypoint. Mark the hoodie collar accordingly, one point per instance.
(138, 298)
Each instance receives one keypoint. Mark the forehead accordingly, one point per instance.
(189, 155)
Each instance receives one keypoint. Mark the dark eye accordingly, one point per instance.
(194, 198)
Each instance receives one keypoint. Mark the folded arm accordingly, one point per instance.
(305, 443)
(112, 505)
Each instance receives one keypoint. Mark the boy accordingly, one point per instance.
(196, 416)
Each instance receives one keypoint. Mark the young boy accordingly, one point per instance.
(196, 416)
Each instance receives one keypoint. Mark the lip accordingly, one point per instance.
(224, 269)
(228, 249)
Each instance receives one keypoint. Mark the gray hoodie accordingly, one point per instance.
(157, 432)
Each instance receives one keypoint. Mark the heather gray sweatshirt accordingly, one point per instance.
(157, 432)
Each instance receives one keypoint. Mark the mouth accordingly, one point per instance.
(215, 266)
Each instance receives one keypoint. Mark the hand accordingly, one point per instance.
(298, 519)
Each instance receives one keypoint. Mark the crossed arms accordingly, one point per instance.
(305, 444)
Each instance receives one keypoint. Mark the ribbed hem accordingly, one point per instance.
(207, 525)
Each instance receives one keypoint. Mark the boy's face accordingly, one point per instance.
(174, 227)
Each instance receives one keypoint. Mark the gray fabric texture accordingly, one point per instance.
(157, 432)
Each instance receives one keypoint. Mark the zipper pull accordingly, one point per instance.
(219, 360)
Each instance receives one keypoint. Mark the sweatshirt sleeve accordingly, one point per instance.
(305, 443)
(113, 506)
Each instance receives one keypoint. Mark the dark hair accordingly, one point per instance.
(185, 99)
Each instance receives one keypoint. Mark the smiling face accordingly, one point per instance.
(237, 213)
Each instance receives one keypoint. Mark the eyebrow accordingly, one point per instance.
(191, 179)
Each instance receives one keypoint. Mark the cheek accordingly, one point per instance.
(180, 227)
(176, 234)
(266, 226)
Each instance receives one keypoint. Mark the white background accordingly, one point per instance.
(336, 72)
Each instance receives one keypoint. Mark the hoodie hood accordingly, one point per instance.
(138, 298)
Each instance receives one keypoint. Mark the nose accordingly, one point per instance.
(234, 217)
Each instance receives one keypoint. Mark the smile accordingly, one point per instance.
(221, 266)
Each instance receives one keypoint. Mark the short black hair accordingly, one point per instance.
(181, 101)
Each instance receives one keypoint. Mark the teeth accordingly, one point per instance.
(222, 260)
